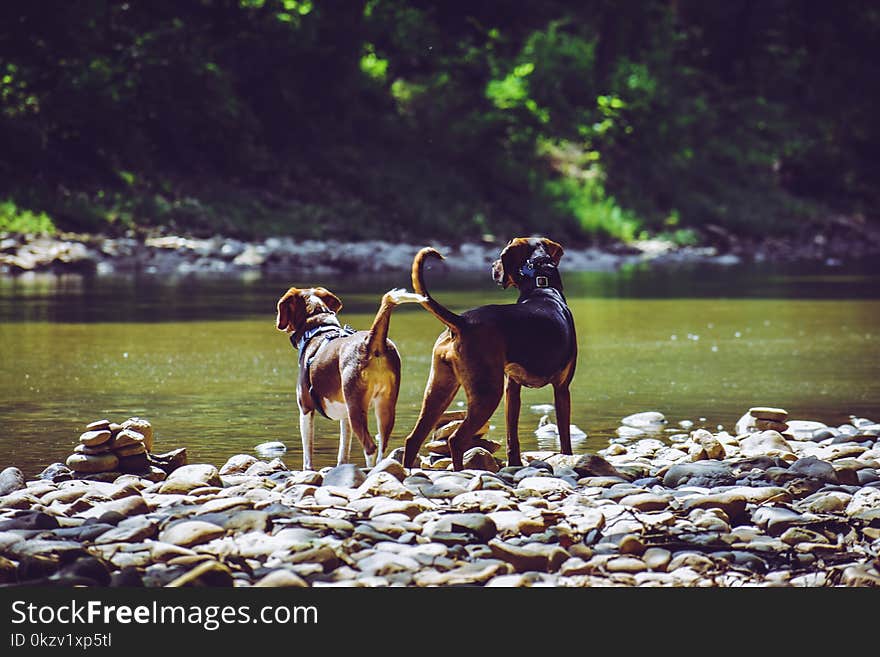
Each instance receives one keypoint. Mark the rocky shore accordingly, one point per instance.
(162, 253)
(797, 504)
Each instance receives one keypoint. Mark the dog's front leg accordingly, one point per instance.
(562, 401)
(512, 403)
(344, 441)
(307, 432)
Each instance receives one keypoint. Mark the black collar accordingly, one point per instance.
(541, 272)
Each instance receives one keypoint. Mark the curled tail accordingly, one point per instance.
(440, 312)
(379, 329)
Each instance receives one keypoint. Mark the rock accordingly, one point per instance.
(169, 461)
(126, 438)
(98, 425)
(189, 477)
(544, 485)
(625, 565)
(861, 575)
(347, 475)
(381, 484)
(281, 578)
(132, 505)
(645, 501)
(484, 501)
(710, 444)
(308, 477)
(477, 572)
(56, 472)
(391, 466)
(656, 558)
(269, 449)
(593, 465)
(650, 420)
(775, 519)
(700, 473)
(804, 429)
(864, 499)
(143, 427)
(478, 525)
(768, 413)
(631, 544)
(11, 480)
(814, 468)
(478, 458)
(135, 449)
(530, 556)
(188, 533)
(86, 463)
(208, 573)
(770, 443)
(95, 438)
(130, 530)
(138, 463)
(516, 523)
(733, 505)
(771, 425)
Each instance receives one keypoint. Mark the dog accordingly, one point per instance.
(342, 372)
(496, 349)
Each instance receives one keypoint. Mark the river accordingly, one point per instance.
(200, 358)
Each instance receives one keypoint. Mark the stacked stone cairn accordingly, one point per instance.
(765, 418)
(108, 449)
(478, 453)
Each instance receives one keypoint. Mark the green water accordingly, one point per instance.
(201, 359)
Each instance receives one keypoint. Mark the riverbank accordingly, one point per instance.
(163, 253)
(660, 506)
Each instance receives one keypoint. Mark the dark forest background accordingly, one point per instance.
(596, 121)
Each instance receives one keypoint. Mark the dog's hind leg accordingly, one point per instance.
(385, 414)
(439, 392)
(358, 418)
(344, 441)
(484, 396)
(307, 432)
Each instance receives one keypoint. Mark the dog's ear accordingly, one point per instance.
(512, 258)
(291, 310)
(553, 249)
(330, 300)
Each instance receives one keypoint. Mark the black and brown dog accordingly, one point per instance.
(497, 349)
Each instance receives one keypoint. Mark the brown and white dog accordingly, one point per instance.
(497, 349)
(342, 372)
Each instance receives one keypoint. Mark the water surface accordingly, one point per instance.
(201, 359)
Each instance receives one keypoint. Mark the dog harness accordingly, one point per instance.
(330, 333)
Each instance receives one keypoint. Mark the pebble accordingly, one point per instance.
(11, 480)
(188, 533)
(89, 463)
(95, 438)
(701, 473)
(650, 420)
(529, 556)
(347, 475)
(272, 448)
(775, 510)
(478, 458)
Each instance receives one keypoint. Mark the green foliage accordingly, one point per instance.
(593, 120)
(17, 220)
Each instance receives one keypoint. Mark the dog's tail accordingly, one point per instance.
(379, 329)
(440, 312)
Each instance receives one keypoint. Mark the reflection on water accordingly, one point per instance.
(201, 359)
